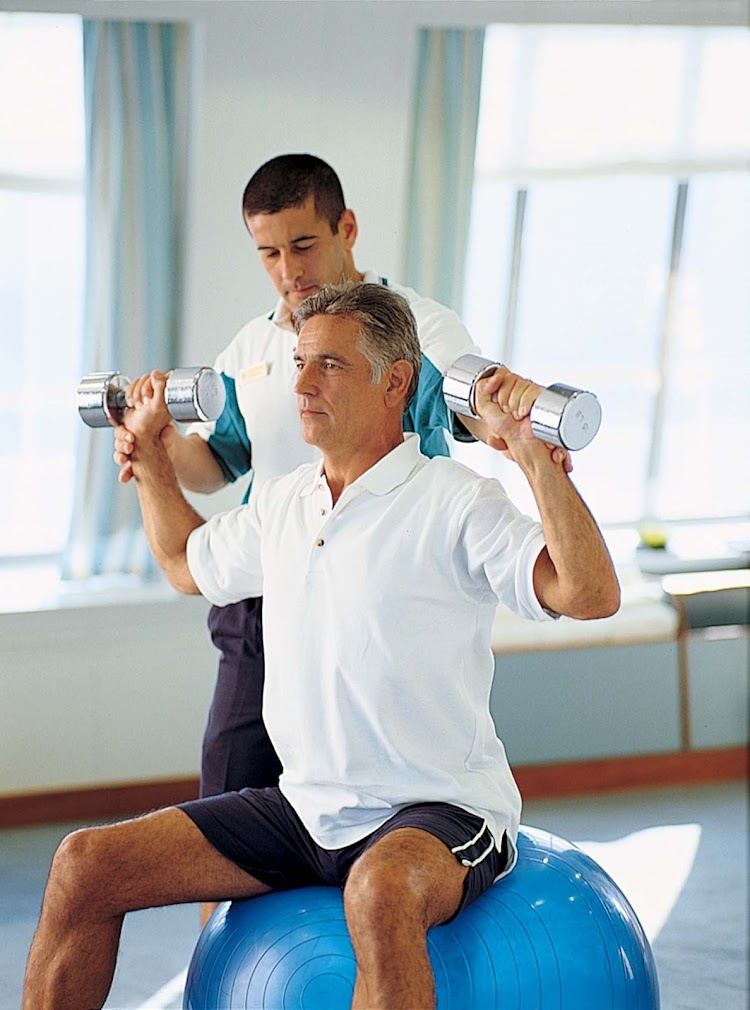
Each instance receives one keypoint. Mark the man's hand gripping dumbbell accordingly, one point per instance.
(564, 417)
(185, 394)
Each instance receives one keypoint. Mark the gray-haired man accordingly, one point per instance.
(381, 571)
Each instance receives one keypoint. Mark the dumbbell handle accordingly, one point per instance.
(561, 415)
(191, 394)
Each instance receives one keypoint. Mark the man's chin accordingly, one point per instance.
(311, 426)
(294, 299)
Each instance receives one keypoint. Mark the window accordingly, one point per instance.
(41, 276)
(610, 249)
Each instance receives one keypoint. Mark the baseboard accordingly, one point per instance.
(95, 803)
(535, 782)
(604, 775)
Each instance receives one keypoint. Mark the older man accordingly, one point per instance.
(381, 571)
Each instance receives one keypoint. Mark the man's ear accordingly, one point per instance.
(399, 376)
(348, 228)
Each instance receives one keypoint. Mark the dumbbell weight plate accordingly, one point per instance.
(460, 380)
(195, 393)
(101, 398)
(565, 416)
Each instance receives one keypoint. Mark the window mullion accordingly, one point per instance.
(514, 279)
(666, 346)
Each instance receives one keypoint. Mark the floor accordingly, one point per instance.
(688, 881)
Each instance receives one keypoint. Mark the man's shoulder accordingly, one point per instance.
(448, 477)
(251, 342)
(442, 335)
(418, 302)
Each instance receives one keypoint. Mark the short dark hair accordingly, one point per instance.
(288, 180)
(387, 328)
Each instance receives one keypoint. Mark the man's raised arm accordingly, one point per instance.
(168, 518)
(574, 574)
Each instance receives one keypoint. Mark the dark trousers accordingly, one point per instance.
(236, 749)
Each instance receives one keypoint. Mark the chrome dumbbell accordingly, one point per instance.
(191, 394)
(561, 415)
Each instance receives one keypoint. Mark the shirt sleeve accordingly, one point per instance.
(500, 547)
(224, 557)
(227, 436)
(442, 335)
(443, 339)
(428, 414)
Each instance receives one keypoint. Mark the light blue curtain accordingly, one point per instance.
(445, 117)
(136, 104)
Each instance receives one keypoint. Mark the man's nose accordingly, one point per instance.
(291, 266)
(305, 384)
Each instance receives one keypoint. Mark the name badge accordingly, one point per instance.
(253, 372)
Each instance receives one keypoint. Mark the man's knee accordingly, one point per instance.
(383, 888)
(408, 877)
(79, 879)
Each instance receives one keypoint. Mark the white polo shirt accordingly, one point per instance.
(377, 619)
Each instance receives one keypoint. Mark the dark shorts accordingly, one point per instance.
(259, 831)
(236, 749)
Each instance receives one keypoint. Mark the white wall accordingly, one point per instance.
(108, 694)
(120, 693)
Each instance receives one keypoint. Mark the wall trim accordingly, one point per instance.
(569, 778)
(687, 768)
(94, 803)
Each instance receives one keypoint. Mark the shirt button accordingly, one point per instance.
(323, 512)
(320, 541)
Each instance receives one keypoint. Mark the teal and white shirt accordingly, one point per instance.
(259, 429)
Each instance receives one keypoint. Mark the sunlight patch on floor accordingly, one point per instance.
(651, 867)
(170, 994)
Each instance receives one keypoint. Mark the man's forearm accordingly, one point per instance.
(194, 463)
(168, 518)
(574, 575)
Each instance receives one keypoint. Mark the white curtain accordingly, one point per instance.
(136, 102)
(446, 112)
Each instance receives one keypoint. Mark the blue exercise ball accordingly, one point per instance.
(556, 934)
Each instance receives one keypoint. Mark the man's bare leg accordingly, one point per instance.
(399, 888)
(100, 874)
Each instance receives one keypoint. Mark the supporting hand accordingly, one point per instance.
(147, 391)
(504, 400)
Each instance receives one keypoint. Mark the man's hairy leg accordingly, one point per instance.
(400, 887)
(100, 874)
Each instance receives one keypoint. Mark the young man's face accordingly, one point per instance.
(340, 407)
(299, 251)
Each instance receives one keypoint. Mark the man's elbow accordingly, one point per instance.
(605, 607)
(179, 578)
(603, 602)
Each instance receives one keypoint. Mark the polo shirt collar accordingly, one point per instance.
(281, 316)
(388, 473)
(393, 469)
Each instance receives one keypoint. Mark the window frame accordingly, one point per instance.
(684, 175)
